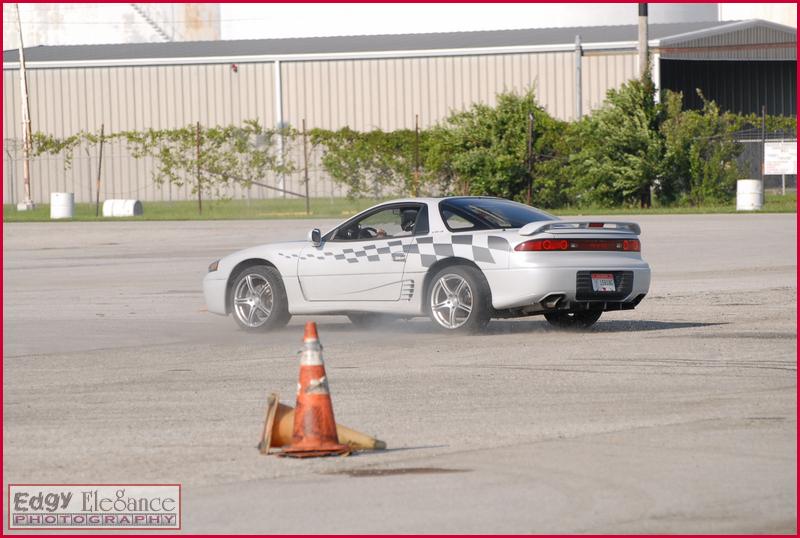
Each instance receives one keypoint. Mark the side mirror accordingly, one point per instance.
(315, 236)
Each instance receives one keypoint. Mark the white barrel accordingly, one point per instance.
(62, 205)
(122, 208)
(749, 195)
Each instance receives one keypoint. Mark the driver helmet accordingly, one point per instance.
(407, 219)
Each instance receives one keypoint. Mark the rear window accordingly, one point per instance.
(461, 214)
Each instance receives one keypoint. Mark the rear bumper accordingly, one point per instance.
(522, 287)
(628, 304)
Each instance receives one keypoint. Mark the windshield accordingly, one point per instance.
(488, 214)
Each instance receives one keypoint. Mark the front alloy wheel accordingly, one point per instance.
(253, 300)
(258, 299)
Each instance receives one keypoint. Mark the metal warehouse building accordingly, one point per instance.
(366, 82)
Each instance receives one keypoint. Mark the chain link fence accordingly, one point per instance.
(125, 176)
(751, 160)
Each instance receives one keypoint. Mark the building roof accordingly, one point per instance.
(364, 43)
(359, 45)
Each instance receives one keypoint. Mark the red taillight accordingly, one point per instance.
(631, 245)
(543, 244)
(537, 245)
(555, 244)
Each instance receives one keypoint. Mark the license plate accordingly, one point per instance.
(603, 282)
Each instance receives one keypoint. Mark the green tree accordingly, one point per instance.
(700, 158)
(374, 163)
(227, 154)
(617, 150)
(483, 150)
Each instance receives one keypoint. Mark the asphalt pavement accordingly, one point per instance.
(677, 417)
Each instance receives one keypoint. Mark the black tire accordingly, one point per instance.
(369, 320)
(475, 293)
(573, 320)
(270, 311)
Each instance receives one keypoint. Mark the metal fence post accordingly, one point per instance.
(305, 168)
(199, 186)
(11, 166)
(99, 168)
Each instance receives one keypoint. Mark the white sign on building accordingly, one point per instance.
(780, 158)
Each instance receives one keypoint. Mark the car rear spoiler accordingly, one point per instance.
(556, 226)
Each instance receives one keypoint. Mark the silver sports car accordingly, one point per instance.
(459, 260)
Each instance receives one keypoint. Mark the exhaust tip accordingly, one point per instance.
(551, 301)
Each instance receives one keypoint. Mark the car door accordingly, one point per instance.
(363, 260)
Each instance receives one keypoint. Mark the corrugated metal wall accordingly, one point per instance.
(361, 93)
(387, 93)
(755, 43)
(742, 87)
(601, 72)
(68, 100)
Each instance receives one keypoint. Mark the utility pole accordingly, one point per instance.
(763, 148)
(27, 137)
(578, 56)
(416, 159)
(529, 196)
(763, 139)
(643, 52)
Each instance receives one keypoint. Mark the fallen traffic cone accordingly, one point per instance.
(279, 424)
(314, 432)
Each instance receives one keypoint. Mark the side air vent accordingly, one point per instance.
(407, 290)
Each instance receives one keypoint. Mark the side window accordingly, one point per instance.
(421, 223)
(397, 221)
(457, 221)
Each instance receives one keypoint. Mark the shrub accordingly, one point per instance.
(700, 154)
(374, 163)
(618, 149)
(484, 150)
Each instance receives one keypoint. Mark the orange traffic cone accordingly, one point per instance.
(279, 427)
(314, 426)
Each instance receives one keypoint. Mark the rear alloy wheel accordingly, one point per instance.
(458, 299)
(258, 299)
(573, 320)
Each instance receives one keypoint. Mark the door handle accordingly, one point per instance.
(398, 256)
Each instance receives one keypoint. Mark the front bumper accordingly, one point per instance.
(214, 290)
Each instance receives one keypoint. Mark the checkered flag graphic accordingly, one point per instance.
(478, 248)
(482, 249)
